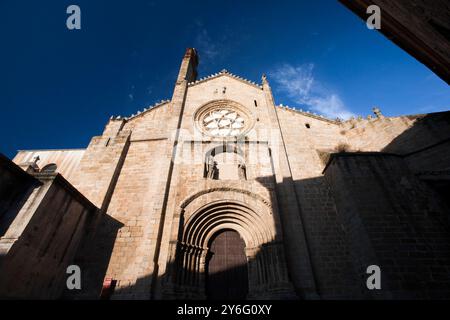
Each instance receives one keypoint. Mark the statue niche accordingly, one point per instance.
(225, 164)
(212, 169)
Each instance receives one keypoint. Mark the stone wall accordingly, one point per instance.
(146, 174)
(41, 242)
(393, 220)
(423, 142)
(306, 137)
(137, 204)
(101, 163)
(67, 161)
(15, 187)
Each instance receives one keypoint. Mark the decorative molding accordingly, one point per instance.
(191, 198)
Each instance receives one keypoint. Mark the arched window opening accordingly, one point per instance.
(225, 163)
(50, 168)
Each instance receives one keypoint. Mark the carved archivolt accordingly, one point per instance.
(205, 222)
(264, 250)
(186, 202)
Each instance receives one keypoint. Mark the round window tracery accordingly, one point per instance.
(224, 122)
(223, 119)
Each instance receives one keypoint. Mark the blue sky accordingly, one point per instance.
(58, 88)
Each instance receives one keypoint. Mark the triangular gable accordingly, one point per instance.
(225, 73)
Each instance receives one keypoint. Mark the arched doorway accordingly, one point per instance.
(226, 267)
(249, 225)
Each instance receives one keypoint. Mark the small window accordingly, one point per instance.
(50, 168)
(256, 103)
(307, 125)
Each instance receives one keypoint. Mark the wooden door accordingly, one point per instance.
(226, 267)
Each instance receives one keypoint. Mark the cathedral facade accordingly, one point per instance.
(220, 193)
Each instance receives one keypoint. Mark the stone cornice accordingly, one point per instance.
(192, 197)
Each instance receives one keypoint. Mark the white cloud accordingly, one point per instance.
(205, 45)
(330, 106)
(299, 84)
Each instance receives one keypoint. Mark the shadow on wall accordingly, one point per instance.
(227, 275)
(335, 274)
(358, 214)
(426, 149)
(15, 188)
(429, 131)
(367, 209)
(392, 219)
(93, 257)
(331, 258)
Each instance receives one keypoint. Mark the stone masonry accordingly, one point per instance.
(315, 200)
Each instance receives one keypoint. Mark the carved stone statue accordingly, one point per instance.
(212, 169)
(35, 160)
(264, 78)
(215, 171)
(242, 171)
(377, 112)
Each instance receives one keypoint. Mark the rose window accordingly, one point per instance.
(223, 122)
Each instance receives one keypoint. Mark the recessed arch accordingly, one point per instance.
(198, 226)
(225, 147)
(209, 212)
(225, 162)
